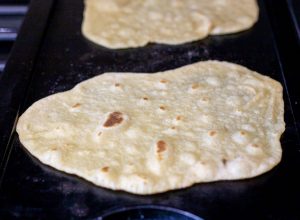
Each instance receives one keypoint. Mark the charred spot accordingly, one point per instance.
(114, 118)
(161, 146)
(242, 133)
(117, 85)
(105, 169)
(212, 133)
(224, 161)
(178, 117)
(195, 86)
(162, 107)
(145, 98)
(76, 105)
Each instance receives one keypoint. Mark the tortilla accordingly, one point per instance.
(229, 16)
(150, 133)
(122, 24)
(134, 23)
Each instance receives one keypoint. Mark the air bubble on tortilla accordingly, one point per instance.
(213, 81)
(187, 158)
(240, 137)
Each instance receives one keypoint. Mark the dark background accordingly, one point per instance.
(51, 56)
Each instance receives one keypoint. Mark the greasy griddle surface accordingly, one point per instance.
(66, 58)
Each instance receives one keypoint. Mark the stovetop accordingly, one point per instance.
(294, 7)
(51, 56)
(12, 14)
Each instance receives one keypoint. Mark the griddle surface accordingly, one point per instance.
(33, 190)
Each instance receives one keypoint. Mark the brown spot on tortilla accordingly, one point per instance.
(117, 85)
(254, 145)
(242, 133)
(173, 127)
(195, 86)
(224, 161)
(161, 146)
(114, 118)
(145, 98)
(163, 81)
(54, 148)
(162, 107)
(178, 117)
(99, 134)
(76, 105)
(205, 99)
(105, 169)
(212, 133)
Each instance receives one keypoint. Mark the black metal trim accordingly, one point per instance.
(112, 212)
(293, 8)
(13, 9)
(18, 72)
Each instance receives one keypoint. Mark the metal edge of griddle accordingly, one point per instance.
(18, 73)
(287, 51)
(13, 9)
(295, 16)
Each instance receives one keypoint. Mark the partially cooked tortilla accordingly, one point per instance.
(133, 23)
(149, 133)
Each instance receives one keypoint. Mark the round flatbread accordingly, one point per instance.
(149, 133)
(122, 24)
(134, 23)
(228, 16)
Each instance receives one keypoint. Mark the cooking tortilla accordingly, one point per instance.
(229, 16)
(149, 133)
(133, 23)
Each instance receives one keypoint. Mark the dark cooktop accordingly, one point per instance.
(51, 56)
(12, 14)
(294, 7)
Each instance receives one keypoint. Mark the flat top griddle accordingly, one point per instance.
(51, 56)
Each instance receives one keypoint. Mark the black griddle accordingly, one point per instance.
(51, 56)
